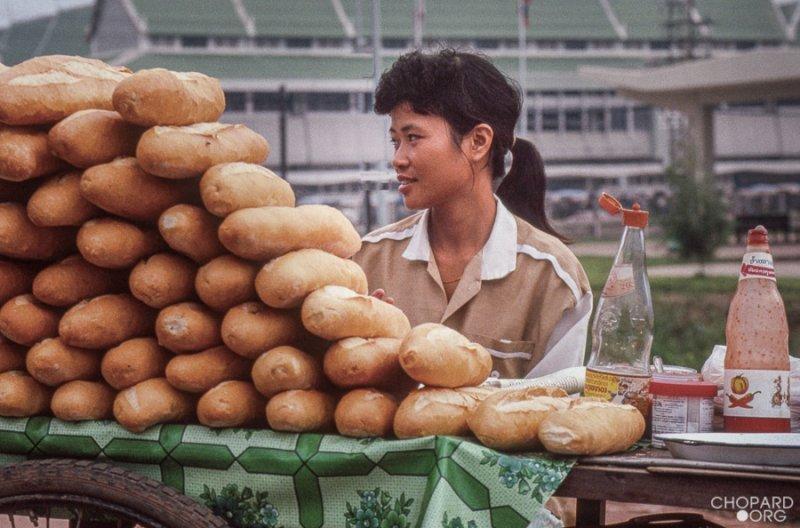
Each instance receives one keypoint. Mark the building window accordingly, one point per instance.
(395, 43)
(745, 44)
(573, 118)
(268, 42)
(575, 44)
(235, 101)
(226, 42)
(547, 44)
(330, 42)
(596, 119)
(194, 42)
(298, 42)
(550, 120)
(643, 118)
(619, 118)
(633, 44)
(166, 41)
(328, 102)
(659, 45)
(531, 120)
(268, 101)
(603, 44)
(487, 43)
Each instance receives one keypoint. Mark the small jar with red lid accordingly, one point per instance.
(681, 406)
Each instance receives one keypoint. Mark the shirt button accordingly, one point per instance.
(494, 374)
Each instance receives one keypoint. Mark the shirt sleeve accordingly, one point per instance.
(567, 344)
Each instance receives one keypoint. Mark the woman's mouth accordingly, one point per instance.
(405, 183)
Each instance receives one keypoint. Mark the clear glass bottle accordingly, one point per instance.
(622, 332)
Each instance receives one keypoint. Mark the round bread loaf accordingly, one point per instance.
(188, 327)
(335, 312)
(437, 411)
(285, 281)
(72, 280)
(75, 138)
(229, 187)
(53, 362)
(250, 329)
(202, 371)
(20, 238)
(15, 279)
(151, 402)
(12, 355)
(226, 281)
(191, 230)
(83, 400)
(163, 279)
(21, 395)
(231, 404)
(58, 202)
(363, 413)
(285, 368)
(26, 321)
(24, 154)
(301, 411)
(105, 321)
(112, 243)
(358, 362)
(263, 233)
(134, 361)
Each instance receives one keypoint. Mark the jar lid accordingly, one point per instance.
(663, 387)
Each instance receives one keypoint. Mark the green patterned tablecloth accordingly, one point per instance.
(274, 479)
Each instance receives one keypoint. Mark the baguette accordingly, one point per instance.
(592, 428)
(187, 152)
(21, 395)
(72, 280)
(204, 370)
(134, 361)
(163, 279)
(228, 187)
(250, 329)
(509, 420)
(364, 413)
(231, 404)
(15, 279)
(24, 154)
(49, 88)
(191, 230)
(285, 282)
(83, 400)
(188, 327)
(115, 244)
(301, 411)
(26, 321)
(93, 137)
(12, 355)
(436, 411)
(58, 202)
(334, 312)
(285, 368)
(151, 402)
(263, 233)
(226, 281)
(439, 356)
(53, 362)
(162, 97)
(21, 238)
(358, 362)
(122, 188)
(105, 321)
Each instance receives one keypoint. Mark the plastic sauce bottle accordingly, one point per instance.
(622, 332)
(757, 361)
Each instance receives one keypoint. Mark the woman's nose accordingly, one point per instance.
(399, 159)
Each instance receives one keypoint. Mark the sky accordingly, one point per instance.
(13, 10)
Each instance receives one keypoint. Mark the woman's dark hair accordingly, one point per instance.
(466, 89)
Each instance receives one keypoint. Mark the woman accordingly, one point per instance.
(489, 266)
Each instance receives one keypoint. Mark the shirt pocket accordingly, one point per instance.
(510, 359)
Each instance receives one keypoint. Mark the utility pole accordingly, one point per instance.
(522, 44)
(419, 23)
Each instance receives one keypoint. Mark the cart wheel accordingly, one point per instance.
(93, 494)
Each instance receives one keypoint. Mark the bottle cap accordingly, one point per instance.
(757, 236)
(633, 217)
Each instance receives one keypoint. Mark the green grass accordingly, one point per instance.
(690, 313)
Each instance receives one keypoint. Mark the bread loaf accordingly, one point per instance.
(163, 97)
(12, 355)
(592, 428)
(285, 368)
(509, 420)
(105, 321)
(191, 230)
(115, 244)
(83, 400)
(359, 362)
(122, 188)
(49, 88)
(15, 279)
(363, 413)
(437, 411)
(58, 202)
(25, 321)
(228, 187)
(24, 154)
(92, 137)
(204, 370)
(73, 279)
(151, 402)
(301, 411)
(53, 362)
(186, 152)
(134, 361)
(285, 281)
(250, 329)
(263, 233)
(231, 404)
(188, 327)
(163, 279)
(21, 238)
(439, 356)
(334, 312)
(226, 281)
(21, 395)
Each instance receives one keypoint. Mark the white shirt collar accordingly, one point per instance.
(499, 252)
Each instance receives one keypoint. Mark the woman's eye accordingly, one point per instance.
(413, 137)
(394, 143)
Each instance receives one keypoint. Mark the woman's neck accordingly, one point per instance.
(463, 223)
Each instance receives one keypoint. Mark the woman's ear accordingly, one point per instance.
(479, 142)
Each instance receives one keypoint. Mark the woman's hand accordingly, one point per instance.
(381, 294)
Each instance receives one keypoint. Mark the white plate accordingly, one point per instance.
(773, 449)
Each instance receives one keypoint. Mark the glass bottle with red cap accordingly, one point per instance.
(622, 332)
(756, 386)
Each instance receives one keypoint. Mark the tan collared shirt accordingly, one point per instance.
(525, 297)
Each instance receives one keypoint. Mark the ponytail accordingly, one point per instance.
(522, 190)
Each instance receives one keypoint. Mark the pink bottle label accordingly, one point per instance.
(757, 266)
(756, 393)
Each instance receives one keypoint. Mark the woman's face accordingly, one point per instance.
(430, 167)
